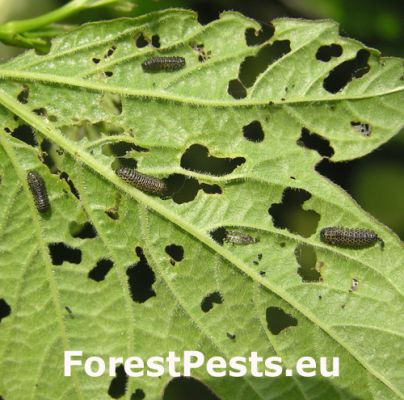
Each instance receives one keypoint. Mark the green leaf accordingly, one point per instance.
(92, 107)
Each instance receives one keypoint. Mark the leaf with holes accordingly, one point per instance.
(227, 259)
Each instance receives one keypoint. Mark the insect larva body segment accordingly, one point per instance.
(349, 237)
(38, 189)
(145, 183)
(169, 64)
(236, 237)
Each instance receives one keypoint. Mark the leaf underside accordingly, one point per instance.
(115, 272)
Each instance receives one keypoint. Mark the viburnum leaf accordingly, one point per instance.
(236, 135)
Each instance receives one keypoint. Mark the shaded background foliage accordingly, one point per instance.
(375, 181)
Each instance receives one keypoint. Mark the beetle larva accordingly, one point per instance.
(236, 237)
(350, 237)
(157, 64)
(145, 183)
(37, 186)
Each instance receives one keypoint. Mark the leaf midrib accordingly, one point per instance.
(24, 113)
(144, 94)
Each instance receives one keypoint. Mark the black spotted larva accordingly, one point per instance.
(145, 183)
(169, 64)
(37, 186)
(236, 237)
(350, 237)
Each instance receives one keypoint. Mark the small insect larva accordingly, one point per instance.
(169, 64)
(37, 186)
(145, 183)
(350, 237)
(354, 285)
(236, 237)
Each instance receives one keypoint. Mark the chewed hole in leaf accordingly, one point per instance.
(197, 158)
(218, 235)
(82, 231)
(73, 189)
(362, 127)
(203, 54)
(108, 74)
(42, 112)
(117, 388)
(5, 309)
(181, 189)
(254, 132)
(47, 155)
(141, 41)
(345, 72)
(120, 149)
(315, 142)
(95, 60)
(307, 259)
(155, 41)
(60, 252)
(124, 162)
(100, 271)
(211, 189)
(209, 301)
(231, 336)
(253, 66)
(325, 53)
(138, 394)
(290, 215)
(236, 89)
(26, 134)
(141, 279)
(184, 388)
(175, 251)
(255, 38)
(278, 320)
(22, 97)
(110, 51)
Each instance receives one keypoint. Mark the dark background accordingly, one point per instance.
(375, 181)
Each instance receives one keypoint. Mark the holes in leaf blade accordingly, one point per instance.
(26, 134)
(211, 299)
(307, 259)
(255, 38)
(155, 41)
(182, 189)
(100, 271)
(253, 66)
(254, 132)
(175, 251)
(345, 72)
(185, 388)
(60, 252)
(22, 97)
(141, 41)
(138, 394)
(316, 142)
(218, 235)
(117, 388)
(289, 213)
(325, 53)
(82, 231)
(110, 52)
(278, 320)
(65, 177)
(140, 279)
(124, 162)
(5, 309)
(236, 89)
(197, 158)
(120, 149)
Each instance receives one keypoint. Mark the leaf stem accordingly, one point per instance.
(12, 32)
